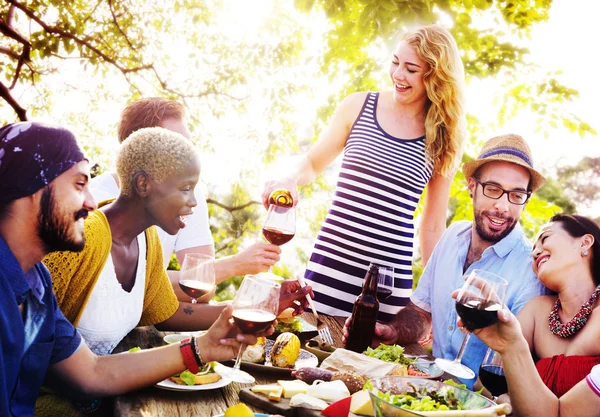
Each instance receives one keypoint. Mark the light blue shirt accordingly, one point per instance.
(510, 258)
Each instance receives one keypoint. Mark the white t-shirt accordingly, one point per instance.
(195, 233)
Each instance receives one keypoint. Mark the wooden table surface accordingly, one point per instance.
(157, 402)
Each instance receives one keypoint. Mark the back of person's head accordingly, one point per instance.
(157, 152)
(444, 83)
(148, 112)
(577, 226)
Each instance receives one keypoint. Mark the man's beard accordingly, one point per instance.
(492, 236)
(53, 226)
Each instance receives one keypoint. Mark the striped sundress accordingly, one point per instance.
(371, 217)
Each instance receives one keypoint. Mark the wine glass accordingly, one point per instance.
(491, 373)
(478, 302)
(197, 275)
(254, 310)
(280, 224)
(385, 282)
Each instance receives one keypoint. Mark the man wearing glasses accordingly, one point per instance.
(500, 182)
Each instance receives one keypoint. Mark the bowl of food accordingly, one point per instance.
(398, 396)
(320, 349)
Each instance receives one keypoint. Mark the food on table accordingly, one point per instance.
(272, 391)
(287, 322)
(238, 410)
(344, 360)
(331, 391)
(308, 401)
(353, 381)
(294, 387)
(325, 347)
(339, 408)
(256, 352)
(361, 403)
(424, 398)
(205, 375)
(310, 375)
(389, 353)
(285, 350)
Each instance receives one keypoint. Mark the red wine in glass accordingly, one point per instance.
(195, 289)
(477, 313)
(383, 293)
(276, 236)
(253, 320)
(493, 379)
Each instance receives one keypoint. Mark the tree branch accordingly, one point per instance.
(231, 209)
(9, 52)
(7, 96)
(82, 42)
(112, 12)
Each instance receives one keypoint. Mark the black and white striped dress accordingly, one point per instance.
(371, 218)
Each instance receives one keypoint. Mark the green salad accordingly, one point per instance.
(423, 399)
(294, 327)
(389, 353)
(190, 379)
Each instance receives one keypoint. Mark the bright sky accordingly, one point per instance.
(566, 43)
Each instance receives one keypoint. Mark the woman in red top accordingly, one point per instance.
(559, 331)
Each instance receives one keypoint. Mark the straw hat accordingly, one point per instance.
(509, 148)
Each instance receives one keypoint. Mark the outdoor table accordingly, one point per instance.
(157, 402)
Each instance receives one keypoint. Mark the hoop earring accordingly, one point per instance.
(584, 253)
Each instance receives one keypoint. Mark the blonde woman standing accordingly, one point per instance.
(394, 144)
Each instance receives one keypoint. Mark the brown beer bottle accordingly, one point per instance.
(281, 197)
(364, 314)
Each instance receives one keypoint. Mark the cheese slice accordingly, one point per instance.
(291, 388)
(266, 389)
(361, 403)
(331, 391)
(276, 395)
(308, 401)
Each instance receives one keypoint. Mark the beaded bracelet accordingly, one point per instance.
(197, 355)
(593, 379)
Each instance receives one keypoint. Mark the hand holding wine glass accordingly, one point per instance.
(197, 275)
(478, 302)
(255, 307)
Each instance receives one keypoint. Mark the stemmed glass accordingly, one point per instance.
(254, 310)
(491, 373)
(385, 282)
(478, 302)
(197, 275)
(280, 224)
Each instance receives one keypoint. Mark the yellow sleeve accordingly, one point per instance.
(160, 301)
(74, 274)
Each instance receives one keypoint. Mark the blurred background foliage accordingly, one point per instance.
(259, 92)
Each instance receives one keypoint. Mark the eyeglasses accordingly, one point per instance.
(493, 191)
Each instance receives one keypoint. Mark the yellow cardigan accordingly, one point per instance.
(74, 274)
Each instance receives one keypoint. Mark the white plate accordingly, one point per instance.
(178, 337)
(172, 386)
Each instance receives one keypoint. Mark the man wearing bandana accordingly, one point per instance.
(44, 199)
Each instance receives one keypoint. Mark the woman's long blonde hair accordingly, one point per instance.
(444, 80)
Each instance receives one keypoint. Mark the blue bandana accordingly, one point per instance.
(32, 155)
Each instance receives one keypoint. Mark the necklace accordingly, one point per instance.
(577, 322)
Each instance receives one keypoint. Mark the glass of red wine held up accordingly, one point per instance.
(280, 224)
(255, 307)
(197, 275)
(478, 302)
